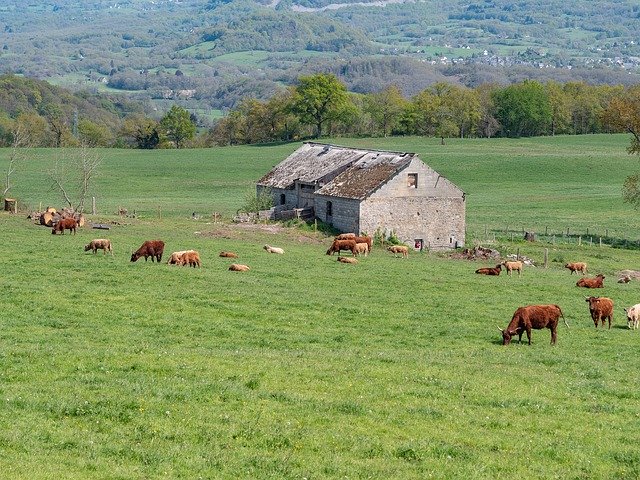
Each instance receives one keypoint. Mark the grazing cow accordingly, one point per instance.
(633, 316)
(362, 249)
(191, 258)
(97, 243)
(176, 257)
(510, 266)
(346, 236)
(490, 270)
(237, 267)
(228, 254)
(403, 249)
(150, 248)
(271, 249)
(339, 245)
(601, 309)
(533, 317)
(597, 282)
(577, 267)
(347, 259)
(65, 223)
(366, 240)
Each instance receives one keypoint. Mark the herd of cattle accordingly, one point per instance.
(525, 319)
(536, 317)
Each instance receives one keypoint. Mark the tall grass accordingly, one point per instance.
(304, 367)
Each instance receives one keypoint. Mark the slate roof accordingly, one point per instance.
(359, 171)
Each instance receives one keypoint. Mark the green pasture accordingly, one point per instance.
(304, 367)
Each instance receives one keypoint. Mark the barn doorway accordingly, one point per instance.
(418, 244)
(329, 213)
(283, 199)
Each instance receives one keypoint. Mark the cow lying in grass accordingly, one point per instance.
(597, 282)
(534, 317)
(490, 270)
(228, 255)
(237, 267)
(271, 249)
(347, 259)
(99, 243)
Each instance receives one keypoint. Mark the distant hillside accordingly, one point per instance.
(208, 54)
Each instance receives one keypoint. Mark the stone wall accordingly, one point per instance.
(345, 215)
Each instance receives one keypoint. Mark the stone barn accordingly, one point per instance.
(369, 191)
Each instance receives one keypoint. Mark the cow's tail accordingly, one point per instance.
(564, 319)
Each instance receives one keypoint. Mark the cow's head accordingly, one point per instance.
(87, 248)
(506, 335)
(134, 256)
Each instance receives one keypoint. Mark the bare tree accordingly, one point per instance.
(74, 176)
(19, 140)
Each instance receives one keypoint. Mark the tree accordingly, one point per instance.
(385, 108)
(177, 126)
(523, 109)
(320, 99)
(19, 140)
(623, 114)
(74, 175)
(142, 131)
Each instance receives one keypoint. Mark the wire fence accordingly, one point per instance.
(603, 237)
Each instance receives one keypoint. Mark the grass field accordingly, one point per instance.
(305, 367)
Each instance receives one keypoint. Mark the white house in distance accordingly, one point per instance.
(364, 191)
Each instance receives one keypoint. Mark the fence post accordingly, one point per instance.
(546, 231)
(518, 253)
(580, 240)
(567, 231)
(546, 258)
(600, 241)
(553, 240)
(93, 205)
(590, 241)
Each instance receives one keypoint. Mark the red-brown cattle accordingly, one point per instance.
(65, 223)
(533, 317)
(577, 267)
(597, 282)
(150, 248)
(490, 270)
(601, 309)
(339, 245)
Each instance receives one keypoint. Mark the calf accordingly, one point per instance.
(191, 258)
(236, 267)
(98, 243)
(65, 223)
(228, 254)
(366, 240)
(403, 249)
(633, 316)
(339, 245)
(490, 270)
(362, 249)
(150, 248)
(510, 266)
(533, 317)
(347, 259)
(601, 309)
(597, 282)
(271, 249)
(577, 267)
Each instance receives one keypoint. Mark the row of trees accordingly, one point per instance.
(320, 104)
(316, 106)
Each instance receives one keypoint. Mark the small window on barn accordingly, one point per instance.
(283, 199)
(329, 208)
(412, 180)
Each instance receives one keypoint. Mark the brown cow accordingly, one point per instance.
(347, 259)
(228, 254)
(403, 249)
(533, 317)
(601, 309)
(366, 240)
(346, 236)
(150, 248)
(490, 270)
(510, 266)
(65, 223)
(191, 258)
(577, 267)
(237, 267)
(339, 245)
(97, 243)
(597, 282)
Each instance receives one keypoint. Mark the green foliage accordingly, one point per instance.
(254, 201)
(320, 99)
(523, 109)
(178, 126)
